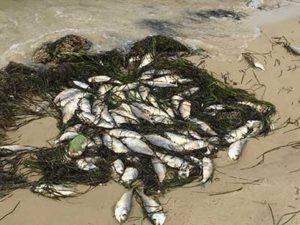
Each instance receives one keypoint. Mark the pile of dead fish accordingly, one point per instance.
(103, 115)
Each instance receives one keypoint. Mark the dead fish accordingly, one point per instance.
(103, 89)
(54, 190)
(140, 114)
(176, 100)
(162, 142)
(208, 169)
(204, 126)
(130, 174)
(147, 59)
(74, 98)
(81, 84)
(125, 114)
(184, 170)
(99, 79)
(236, 148)
(257, 107)
(237, 134)
(104, 124)
(123, 206)
(65, 94)
(193, 134)
(256, 126)
(189, 92)
(171, 161)
(85, 105)
(138, 146)
(107, 141)
(152, 100)
(126, 87)
(150, 110)
(119, 119)
(118, 96)
(161, 119)
(146, 76)
(185, 109)
(153, 208)
(143, 92)
(69, 109)
(10, 149)
(118, 166)
(105, 115)
(86, 164)
(118, 146)
(213, 109)
(43, 106)
(177, 138)
(121, 133)
(157, 72)
(194, 145)
(159, 168)
(97, 107)
(87, 118)
(66, 136)
(159, 84)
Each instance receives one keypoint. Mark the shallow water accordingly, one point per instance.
(24, 25)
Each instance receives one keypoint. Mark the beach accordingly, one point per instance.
(241, 192)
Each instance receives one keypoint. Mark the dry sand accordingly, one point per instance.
(276, 183)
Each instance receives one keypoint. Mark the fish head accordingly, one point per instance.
(233, 156)
(158, 218)
(121, 215)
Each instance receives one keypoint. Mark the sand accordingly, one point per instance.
(275, 182)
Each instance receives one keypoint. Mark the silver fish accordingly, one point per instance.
(147, 59)
(85, 105)
(103, 89)
(162, 142)
(81, 84)
(130, 174)
(257, 107)
(176, 100)
(126, 87)
(65, 94)
(107, 141)
(153, 208)
(177, 138)
(75, 97)
(194, 145)
(171, 161)
(118, 166)
(87, 117)
(97, 107)
(69, 109)
(54, 190)
(86, 164)
(105, 115)
(138, 146)
(104, 124)
(159, 168)
(237, 134)
(204, 126)
(208, 169)
(185, 109)
(66, 136)
(123, 206)
(118, 146)
(121, 133)
(9, 149)
(189, 92)
(236, 148)
(99, 79)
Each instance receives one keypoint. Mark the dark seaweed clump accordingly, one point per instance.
(60, 62)
(219, 13)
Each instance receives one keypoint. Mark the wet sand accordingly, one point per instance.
(273, 182)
